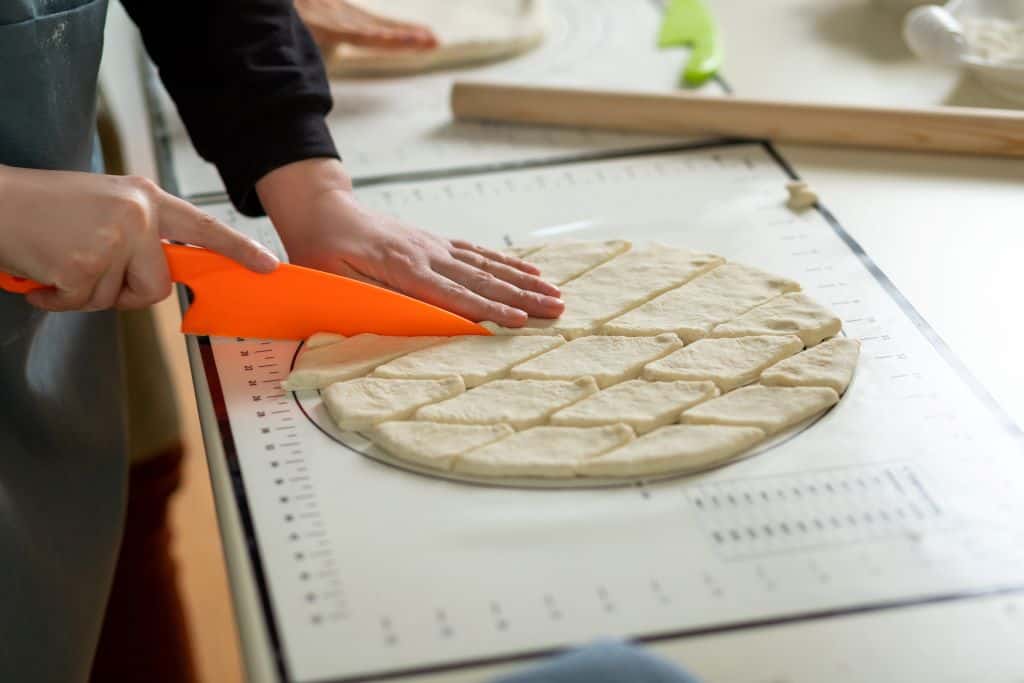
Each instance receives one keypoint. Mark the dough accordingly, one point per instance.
(794, 313)
(676, 448)
(729, 363)
(615, 287)
(769, 408)
(520, 403)
(363, 402)
(692, 310)
(350, 358)
(543, 451)
(468, 31)
(475, 359)
(318, 339)
(522, 252)
(560, 262)
(801, 196)
(638, 403)
(434, 444)
(539, 406)
(608, 360)
(829, 364)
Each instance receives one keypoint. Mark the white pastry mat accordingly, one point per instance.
(901, 494)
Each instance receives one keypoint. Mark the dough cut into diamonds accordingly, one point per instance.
(675, 448)
(769, 408)
(560, 262)
(364, 402)
(638, 403)
(693, 310)
(794, 313)
(762, 357)
(543, 451)
(467, 31)
(475, 359)
(318, 339)
(520, 403)
(348, 358)
(608, 360)
(829, 364)
(729, 363)
(617, 286)
(434, 444)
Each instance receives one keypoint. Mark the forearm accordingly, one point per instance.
(287, 191)
(247, 80)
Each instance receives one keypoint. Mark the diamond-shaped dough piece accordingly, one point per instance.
(615, 287)
(794, 313)
(693, 310)
(769, 408)
(638, 403)
(543, 451)
(608, 360)
(363, 402)
(475, 359)
(675, 448)
(350, 358)
(318, 339)
(560, 262)
(520, 403)
(522, 252)
(729, 363)
(434, 444)
(829, 364)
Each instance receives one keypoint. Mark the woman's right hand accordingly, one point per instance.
(96, 239)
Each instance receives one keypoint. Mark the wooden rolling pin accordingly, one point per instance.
(995, 132)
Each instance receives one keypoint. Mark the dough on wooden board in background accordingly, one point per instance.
(468, 31)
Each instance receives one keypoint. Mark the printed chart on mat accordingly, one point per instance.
(899, 495)
(400, 125)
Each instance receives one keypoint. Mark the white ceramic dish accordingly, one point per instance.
(934, 33)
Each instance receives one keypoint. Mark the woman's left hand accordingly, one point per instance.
(323, 226)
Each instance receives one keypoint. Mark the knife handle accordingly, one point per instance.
(184, 263)
(18, 285)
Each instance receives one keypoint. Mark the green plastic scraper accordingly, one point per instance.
(689, 23)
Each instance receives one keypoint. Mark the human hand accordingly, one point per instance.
(324, 227)
(336, 21)
(96, 239)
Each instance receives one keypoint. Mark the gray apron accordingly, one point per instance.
(62, 456)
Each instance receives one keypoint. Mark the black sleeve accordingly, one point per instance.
(248, 82)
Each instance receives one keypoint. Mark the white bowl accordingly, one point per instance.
(926, 38)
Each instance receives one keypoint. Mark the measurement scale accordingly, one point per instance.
(900, 496)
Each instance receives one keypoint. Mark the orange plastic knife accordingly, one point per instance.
(292, 302)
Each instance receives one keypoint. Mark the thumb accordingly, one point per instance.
(183, 222)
